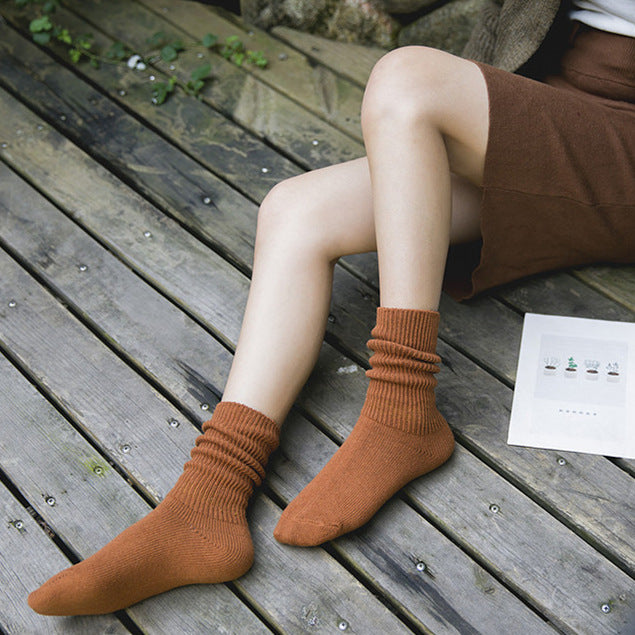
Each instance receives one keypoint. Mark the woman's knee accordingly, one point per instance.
(288, 216)
(408, 85)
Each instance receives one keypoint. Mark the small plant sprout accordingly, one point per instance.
(571, 369)
(551, 365)
(613, 372)
(592, 366)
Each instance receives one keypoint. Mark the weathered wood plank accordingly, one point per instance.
(468, 415)
(555, 570)
(350, 60)
(43, 455)
(616, 282)
(131, 423)
(27, 557)
(136, 320)
(239, 94)
(316, 87)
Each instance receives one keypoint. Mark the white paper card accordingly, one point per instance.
(575, 386)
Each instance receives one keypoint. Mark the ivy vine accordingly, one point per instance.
(80, 47)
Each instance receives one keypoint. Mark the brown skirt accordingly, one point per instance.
(559, 179)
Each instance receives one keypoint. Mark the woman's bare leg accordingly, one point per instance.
(425, 114)
(305, 224)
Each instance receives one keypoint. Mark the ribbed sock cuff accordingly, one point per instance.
(409, 327)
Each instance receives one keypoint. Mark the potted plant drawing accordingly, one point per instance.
(613, 372)
(592, 366)
(551, 365)
(571, 370)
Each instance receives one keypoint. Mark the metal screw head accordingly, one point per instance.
(204, 406)
(283, 56)
(18, 524)
(98, 470)
(63, 117)
(40, 126)
(343, 625)
(207, 200)
(331, 318)
(315, 142)
(152, 78)
(172, 67)
(494, 508)
(562, 461)
(82, 267)
(421, 566)
(50, 501)
(125, 448)
(147, 234)
(606, 608)
(199, 55)
(12, 304)
(122, 93)
(4, 144)
(173, 423)
(264, 170)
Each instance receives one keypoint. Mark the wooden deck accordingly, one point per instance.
(126, 238)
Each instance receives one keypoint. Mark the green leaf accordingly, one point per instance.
(50, 6)
(178, 45)
(157, 39)
(209, 40)
(238, 58)
(117, 51)
(168, 53)
(64, 36)
(75, 55)
(234, 42)
(41, 38)
(94, 63)
(257, 58)
(40, 24)
(201, 72)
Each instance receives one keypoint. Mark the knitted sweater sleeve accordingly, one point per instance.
(508, 33)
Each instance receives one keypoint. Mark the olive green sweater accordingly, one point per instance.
(509, 32)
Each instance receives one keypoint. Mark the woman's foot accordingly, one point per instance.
(198, 534)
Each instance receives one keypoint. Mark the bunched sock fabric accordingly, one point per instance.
(400, 434)
(198, 534)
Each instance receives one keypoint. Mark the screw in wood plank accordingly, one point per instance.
(204, 406)
(173, 423)
(207, 200)
(172, 67)
(4, 144)
(122, 93)
(50, 501)
(331, 318)
(125, 448)
(264, 170)
(343, 625)
(152, 78)
(562, 461)
(199, 55)
(606, 608)
(18, 524)
(98, 470)
(63, 117)
(283, 56)
(494, 508)
(82, 267)
(421, 566)
(147, 234)
(315, 142)
(40, 126)
(12, 304)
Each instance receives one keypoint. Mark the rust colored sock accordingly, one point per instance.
(399, 436)
(198, 534)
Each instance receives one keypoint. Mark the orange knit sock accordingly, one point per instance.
(198, 534)
(399, 436)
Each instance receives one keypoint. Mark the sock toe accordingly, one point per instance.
(304, 532)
